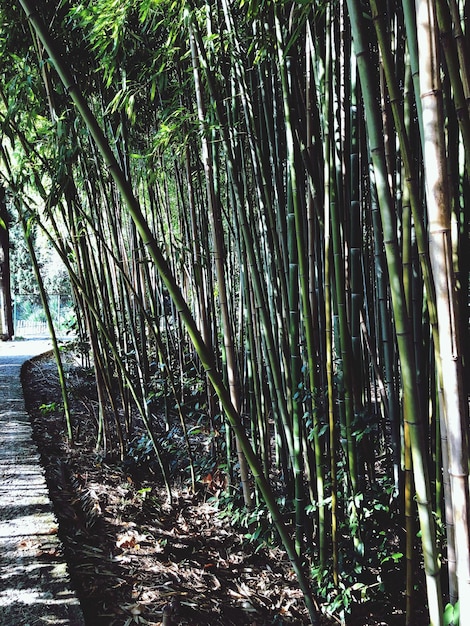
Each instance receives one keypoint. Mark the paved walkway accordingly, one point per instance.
(34, 583)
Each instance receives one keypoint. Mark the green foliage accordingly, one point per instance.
(372, 564)
(51, 407)
(452, 615)
(23, 279)
(336, 599)
(256, 524)
(140, 460)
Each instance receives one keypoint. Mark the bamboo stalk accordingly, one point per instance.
(438, 207)
(168, 278)
(50, 323)
(328, 279)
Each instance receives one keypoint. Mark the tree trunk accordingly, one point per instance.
(6, 309)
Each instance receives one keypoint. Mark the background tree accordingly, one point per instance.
(6, 309)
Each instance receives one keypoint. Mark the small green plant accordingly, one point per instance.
(144, 493)
(47, 409)
(257, 523)
(140, 458)
(452, 614)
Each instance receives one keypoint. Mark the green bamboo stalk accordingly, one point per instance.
(295, 373)
(355, 244)
(386, 337)
(344, 341)
(412, 48)
(349, 394)
(410, 529)
(26, 225)
(462, 49)
(329, 373)
(408, 491)
(313, 269)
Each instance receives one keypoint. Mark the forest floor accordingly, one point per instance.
(135, 558)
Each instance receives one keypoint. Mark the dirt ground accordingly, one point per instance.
(135, 558)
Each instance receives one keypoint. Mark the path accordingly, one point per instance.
(34, 584)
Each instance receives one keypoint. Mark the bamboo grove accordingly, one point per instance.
(265, 203)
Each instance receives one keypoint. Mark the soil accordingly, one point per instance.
(134, 557)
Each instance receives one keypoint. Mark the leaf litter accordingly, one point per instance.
(133, 557)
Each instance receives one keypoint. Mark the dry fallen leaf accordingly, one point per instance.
(130, 540)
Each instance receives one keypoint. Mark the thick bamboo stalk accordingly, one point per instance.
(438, 208)
(462, 48)
(452, 64)
(331, 403)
